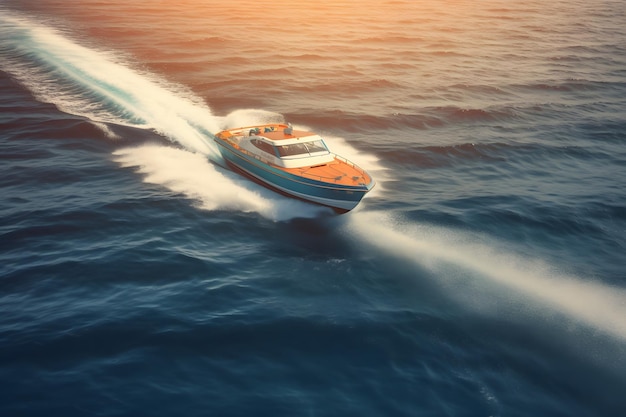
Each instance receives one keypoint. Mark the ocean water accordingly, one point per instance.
(483, 276)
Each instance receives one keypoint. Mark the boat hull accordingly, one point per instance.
(341, 198)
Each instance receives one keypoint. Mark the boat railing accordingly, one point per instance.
(352, 164)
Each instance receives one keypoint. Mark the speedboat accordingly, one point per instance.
(296, 163)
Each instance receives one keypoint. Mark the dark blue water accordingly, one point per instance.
(483, 276)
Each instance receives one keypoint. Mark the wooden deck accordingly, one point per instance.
(336, 172)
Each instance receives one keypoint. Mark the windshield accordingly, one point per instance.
(303, 148)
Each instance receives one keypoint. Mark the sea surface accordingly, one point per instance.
(484, 275)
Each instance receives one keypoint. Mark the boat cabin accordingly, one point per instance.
(282, 146)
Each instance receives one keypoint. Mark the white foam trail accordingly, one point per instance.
(595, 304)
(89, 83)
(189, 173)
(212, 188)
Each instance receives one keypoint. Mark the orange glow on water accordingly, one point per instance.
(238, 52)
